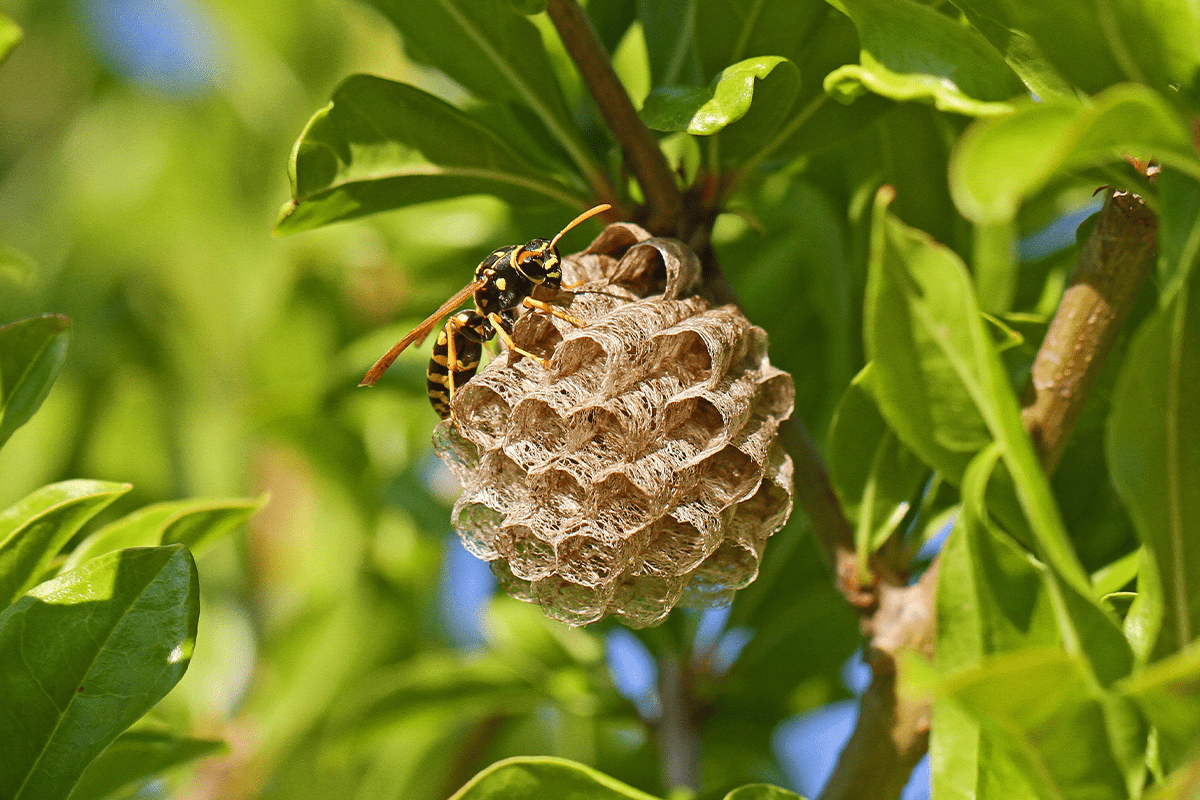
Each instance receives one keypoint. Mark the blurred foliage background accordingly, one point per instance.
(347, 646)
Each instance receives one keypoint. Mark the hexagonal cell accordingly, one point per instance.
(730, 474)
(536, 433)
(572, 603)
(483, 413)
(460, 455)
(645, 600)
(529, 557)
(590, 557)
(692, 419)
(673, 547)
(511, 584)
(614, 504)
(477, 526)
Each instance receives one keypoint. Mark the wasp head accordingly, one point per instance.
(538, 260)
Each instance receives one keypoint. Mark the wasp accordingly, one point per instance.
(504, 282)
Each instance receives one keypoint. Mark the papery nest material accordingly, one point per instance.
(642, 470)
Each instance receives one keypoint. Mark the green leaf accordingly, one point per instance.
(495, 53)
(1053, 42)
(32, 352)
(85, 655)
(761, 791)
(195, 523)
(999, 163)
(381, 145)
(135, 757)
(667, 26)
(940, 383)
(746, 103)
(1178, 232)
(875, 476)
(1153, 450)
(538, 777)
(1168, 693)
(911, 52)
(1067, 743)
(10, 34)
(33, 530)
(729, 31)
(703, 112)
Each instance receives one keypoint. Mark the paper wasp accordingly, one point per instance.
(504, 282)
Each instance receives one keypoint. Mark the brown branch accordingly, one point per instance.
(1114, 263)
(892, 734)
(664, 202)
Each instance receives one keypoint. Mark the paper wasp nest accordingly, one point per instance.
(642, 470)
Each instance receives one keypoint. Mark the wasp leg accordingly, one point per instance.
(554, 311)
(498, 324)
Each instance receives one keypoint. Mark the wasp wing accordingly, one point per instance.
(418, 333)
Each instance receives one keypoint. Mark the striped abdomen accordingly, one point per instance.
(465, 331)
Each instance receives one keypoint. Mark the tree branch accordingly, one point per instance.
(664, 202)
(891, 734)
(1115, 261)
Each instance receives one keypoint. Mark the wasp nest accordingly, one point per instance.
(642, 469)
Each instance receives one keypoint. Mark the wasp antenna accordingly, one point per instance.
(591, 212)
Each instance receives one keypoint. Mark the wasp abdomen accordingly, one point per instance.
(456, 352)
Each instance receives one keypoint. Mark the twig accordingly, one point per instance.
(664, 202)
(891, 735)
(1114, 263)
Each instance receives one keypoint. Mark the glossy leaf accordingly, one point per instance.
(874, 474)
(999, 163)
(10, 35)
(940, 383)
(1092, 46)
(991, 600)
(703, 112)
(534, 778)
(35, 529)
(1153, 450)
(85, 655)
(810, 34)
(381, 145)
(911, 52)
(493, 51)
(195, 523)
(137, 756)
(32, 352)
(1168, 693)
(1060, 742)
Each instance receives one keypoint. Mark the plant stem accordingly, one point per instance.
(664, 202)
(1114, 263)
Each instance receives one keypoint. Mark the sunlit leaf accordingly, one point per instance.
(911, 52)
(86, 654)
(940, 383)
(32, 352)
(10, 34)
(998, 163)
(195, 523)
(135, 757)
(1153, 450)
(745, 103)
(381, 145)
(1092, 45)
(35, 529)
(1064, 743)
(534, 778)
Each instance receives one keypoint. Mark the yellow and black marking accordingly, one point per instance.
(504, 283)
